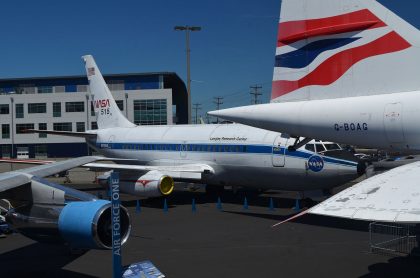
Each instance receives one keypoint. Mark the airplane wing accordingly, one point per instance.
(179, 172)
(393, 196)
(26, 161)
(17, 178)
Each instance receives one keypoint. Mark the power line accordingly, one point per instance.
(196, 108)
(218, 101)
(256, 92)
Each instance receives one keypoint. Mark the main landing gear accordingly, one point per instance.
(215, 189)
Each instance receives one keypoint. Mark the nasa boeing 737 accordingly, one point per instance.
(215, 155)
(349, 72)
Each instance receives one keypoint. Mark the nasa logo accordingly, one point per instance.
(315, 163)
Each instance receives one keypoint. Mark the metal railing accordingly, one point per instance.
(393, 239)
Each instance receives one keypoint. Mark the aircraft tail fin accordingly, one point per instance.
(107, 112)
(331, 49)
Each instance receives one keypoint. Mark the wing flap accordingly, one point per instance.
(393, 196)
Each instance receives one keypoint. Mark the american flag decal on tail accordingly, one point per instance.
(91, 71)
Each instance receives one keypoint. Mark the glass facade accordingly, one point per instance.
(56, 109)
(150, 112)
(19, 110)
(37, 108)
(76, 106)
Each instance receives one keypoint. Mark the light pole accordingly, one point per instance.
(187, 30)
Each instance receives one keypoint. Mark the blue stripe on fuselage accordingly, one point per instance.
(220, 148)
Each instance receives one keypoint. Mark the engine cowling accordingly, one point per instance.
(87, 225)
(151, 184)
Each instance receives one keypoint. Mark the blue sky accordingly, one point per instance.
(234, 50)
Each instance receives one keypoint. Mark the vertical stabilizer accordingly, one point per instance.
(107, 112)
(343, 48)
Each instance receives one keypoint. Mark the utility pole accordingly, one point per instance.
(196, 108)
(256, 92)
(218, 101)
(187, 30)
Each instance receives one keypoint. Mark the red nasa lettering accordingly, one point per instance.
(101, 103)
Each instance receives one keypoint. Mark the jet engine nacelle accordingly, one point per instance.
(81, 224)
(88, 224)
(151, 184)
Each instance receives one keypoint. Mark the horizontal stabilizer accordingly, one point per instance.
(63, 133)
(393, 196)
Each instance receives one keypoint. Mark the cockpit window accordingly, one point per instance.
(310, 147)
(332, 146)
(320, 148)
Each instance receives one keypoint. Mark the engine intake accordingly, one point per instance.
(88, 224)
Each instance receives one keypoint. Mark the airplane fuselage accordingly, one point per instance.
(240, 155)
(389, 121)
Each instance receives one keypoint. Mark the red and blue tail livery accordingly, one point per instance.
(331, 49)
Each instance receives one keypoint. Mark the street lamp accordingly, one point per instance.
(187, 30)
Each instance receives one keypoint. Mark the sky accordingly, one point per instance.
(233, 51)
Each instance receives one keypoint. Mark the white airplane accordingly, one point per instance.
(350, 73)
(53, 213)
(215, 155)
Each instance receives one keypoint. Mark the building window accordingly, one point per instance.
(42, 126)
(62, 127)
(20, 128)
(94, 125)
(59, 89)
(5, 131)
(80, 126)
(6, 151)
(92, 109)
(120, 104)
(77, 106)
(37, 108)
(40, 150)
(56, 109)
(82, 88)
(116, 85)
(45, 90)
(25, 89)
(150, 112)
(4, 109)
(19, 110)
